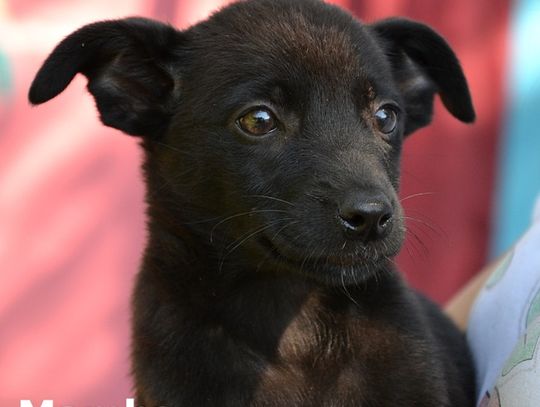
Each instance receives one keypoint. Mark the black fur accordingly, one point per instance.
(253, 289)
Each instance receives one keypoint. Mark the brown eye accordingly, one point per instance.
(386, 119)
(258, 122)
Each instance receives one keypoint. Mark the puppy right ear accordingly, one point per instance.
(424, 64)
(129, 64)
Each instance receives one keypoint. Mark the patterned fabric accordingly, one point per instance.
(504, 329)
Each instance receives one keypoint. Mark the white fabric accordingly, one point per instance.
(504, 328)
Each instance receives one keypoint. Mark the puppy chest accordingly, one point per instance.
(352, 366)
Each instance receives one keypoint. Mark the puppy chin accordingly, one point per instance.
(336, 275)
(332, 270)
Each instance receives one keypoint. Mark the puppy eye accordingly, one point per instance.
(386, 119)
(258, 122)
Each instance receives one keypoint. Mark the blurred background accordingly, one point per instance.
(71, 196)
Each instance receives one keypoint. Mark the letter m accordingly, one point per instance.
(44, 403)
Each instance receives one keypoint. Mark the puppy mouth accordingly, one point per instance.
(357, 262)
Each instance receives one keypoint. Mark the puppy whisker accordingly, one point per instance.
(243, 239)
(274, 249)
(428, 225)
(416, 195)
(252, 212)
(345, 290)
(273, 198)
(169, 147)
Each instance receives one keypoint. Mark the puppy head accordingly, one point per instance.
(272, 130)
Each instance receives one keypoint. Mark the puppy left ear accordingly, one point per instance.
(423, 64)
(130, 71)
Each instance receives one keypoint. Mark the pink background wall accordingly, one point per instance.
(71, 196)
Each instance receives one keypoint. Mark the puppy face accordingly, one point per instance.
(272, 130)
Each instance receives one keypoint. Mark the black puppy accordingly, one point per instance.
(272, 135)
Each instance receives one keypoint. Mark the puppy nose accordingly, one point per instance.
(366, 219)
